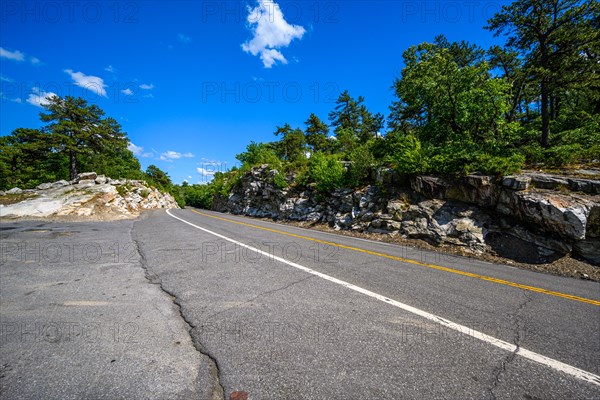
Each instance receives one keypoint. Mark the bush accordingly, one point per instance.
(200, 196)
(497, 165)
(558, 156)
(279, 181)
(408, 156)
(362, 163)
(326, 171)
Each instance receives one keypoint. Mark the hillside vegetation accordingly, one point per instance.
(458, 109)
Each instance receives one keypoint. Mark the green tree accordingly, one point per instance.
(513, 71)
(200, 196)
(445, 102)
(27, 157)
(463, 53)
(115, 162)
(370, 126)
(292, 146)
(258, 154)
(316, 134)
(346, 114)
(77, 128)
(456, 113)
(353, 123)
(559, 41)
(158, 177)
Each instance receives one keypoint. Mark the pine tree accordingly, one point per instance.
(77, 129)
(559, 41)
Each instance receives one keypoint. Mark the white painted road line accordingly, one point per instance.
(530, 355)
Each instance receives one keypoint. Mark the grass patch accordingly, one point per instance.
(8, 199)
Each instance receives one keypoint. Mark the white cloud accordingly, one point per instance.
(205, 172)
(39, 98)
(139, 151)
(110, 68)
(14, 99)
(127, 92)
(4, 78)
(183, 38)
(145, 86)
(18, 56)
(174, 155)
(89, 82)
(271, 31)
(12, 55)
(270, 56)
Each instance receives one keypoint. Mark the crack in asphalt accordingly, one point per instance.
(217, 391)
(517, 342)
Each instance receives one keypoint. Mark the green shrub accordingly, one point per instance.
(279, 181)
(362, 163)
(326, 171)
(533, 153)
(497, 165)
(200, 196)
(122, 190)
(558, 156)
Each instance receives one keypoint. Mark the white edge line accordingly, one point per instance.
(528, 354)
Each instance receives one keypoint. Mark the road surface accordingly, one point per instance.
(287, 313)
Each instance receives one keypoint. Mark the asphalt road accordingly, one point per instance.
(287, 313)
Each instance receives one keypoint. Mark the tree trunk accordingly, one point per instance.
(73, 164)
(545, 114)
(545, 93)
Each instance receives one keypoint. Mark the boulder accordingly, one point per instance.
(86, 176)
(516, 182)
(85, 183)
(584, 185)
(560, 214)
(430, 186)
(14, 190)
(101, 179)
(44, 186)
(60, 183)
(589, 250)
(544, 181)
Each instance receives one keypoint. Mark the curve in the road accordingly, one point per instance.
(414, 262)
(528, 354)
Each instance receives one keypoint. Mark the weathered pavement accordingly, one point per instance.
(79, 319)
(278, 331)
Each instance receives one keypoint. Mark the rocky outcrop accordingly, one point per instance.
(509, 216)
(87, 196)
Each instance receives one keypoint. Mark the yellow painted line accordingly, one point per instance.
(409, 261)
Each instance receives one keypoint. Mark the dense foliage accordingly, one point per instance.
(458, 109)
(77, 137)
(461, 109)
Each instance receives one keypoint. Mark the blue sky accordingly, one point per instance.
(193, 82)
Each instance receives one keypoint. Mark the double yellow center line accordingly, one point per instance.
(409, 261)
